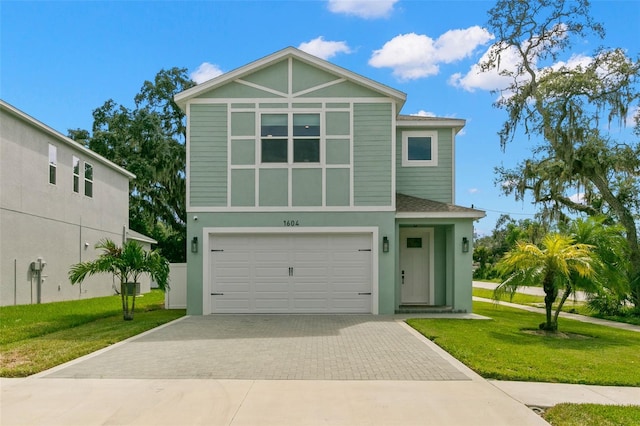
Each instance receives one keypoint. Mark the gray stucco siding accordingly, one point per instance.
(208, 155)
(372, 154)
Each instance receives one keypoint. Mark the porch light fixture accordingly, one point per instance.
(385, 245)
(194, 245)
(465, 244)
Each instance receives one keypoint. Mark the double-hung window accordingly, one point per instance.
(53, 163)
(88, 180)
(76, 174)
(287, 138)
(419, 148)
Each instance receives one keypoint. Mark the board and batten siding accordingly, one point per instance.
(372, 161)
(208, 155)
(433, 183)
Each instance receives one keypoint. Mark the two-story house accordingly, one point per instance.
(308, 192)
(57, 200)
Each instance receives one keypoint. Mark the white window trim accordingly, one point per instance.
(434, 148)
(86, 179)
(53, 152)
(75, 160)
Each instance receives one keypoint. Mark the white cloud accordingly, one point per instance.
(423, 113)
(473, 190)
(578, 198)
(324, 49)
(367, 9)
(205, 72)
(413, 56)
(488, 80)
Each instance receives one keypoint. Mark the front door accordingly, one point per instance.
(416, 254)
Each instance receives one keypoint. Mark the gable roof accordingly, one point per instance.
(290, 52)
(62, 138)
(414, 207)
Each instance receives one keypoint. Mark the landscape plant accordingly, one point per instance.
(127, 264)
(559, 265)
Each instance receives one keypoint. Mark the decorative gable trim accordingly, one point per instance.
(290, 52)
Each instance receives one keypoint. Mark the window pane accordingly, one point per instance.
(274, 151)
(88, 188)
(76, 166)
(306, 150)
(419, 148)
(414, 242)
(76, 183)
(274, 125)
(53, 161)
(306, 124)
(88, 171)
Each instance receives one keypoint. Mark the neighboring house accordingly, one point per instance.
(57, 200)
(307, 192)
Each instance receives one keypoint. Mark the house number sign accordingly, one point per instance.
(291, 222)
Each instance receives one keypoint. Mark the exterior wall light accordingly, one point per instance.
(385, 245)
(465, 245)
(194, 245)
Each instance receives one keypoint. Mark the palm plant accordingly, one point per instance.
(554, 266)
(127, 263)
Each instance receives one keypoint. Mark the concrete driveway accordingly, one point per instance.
(265, 370)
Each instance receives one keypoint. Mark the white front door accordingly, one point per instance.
(416, 266)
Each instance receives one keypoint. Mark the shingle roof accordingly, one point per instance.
(409, 204)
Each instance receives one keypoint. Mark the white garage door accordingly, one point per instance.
(310, 273)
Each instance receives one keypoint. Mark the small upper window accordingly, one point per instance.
(53, 163)
(76, 174)
(88, 180)
(419, 148)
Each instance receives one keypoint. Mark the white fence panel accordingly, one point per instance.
(176, 296)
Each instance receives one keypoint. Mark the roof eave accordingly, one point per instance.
(441, 215)
(62, 138)
(183, 97)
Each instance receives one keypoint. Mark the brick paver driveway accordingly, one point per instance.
(278, 347)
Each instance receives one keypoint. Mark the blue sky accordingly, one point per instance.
(61, 60)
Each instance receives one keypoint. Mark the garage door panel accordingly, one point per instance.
(328, 271)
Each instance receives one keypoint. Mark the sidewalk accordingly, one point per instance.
(577, 317)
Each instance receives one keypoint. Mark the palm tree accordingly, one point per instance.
(553, 266)
(127, 263)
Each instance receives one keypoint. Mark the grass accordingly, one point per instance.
(569, 306)
(593, 415)
(34, 338)
(508, 347)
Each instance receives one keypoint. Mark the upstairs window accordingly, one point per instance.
(76, 174)
(88, 180)
(53, 163)
(276, 143)
(419, 149)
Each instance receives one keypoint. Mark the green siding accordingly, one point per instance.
(274, 105)
(208, 155)
(307, 76)
(274, 77)
(243, 105)
(243, 185)
(342, 90)
(338, 105)
(338, 187)
(434, 183)
(317, 105)
(372, 154)
(274, 187)
(243, 152)
(307, 187)
(237, 90)
(338, 151)
(243, 124)
(338, 123)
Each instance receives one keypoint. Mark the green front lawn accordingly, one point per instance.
(569, 306)
(509, 347)
(34, 338)
(593, 415)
